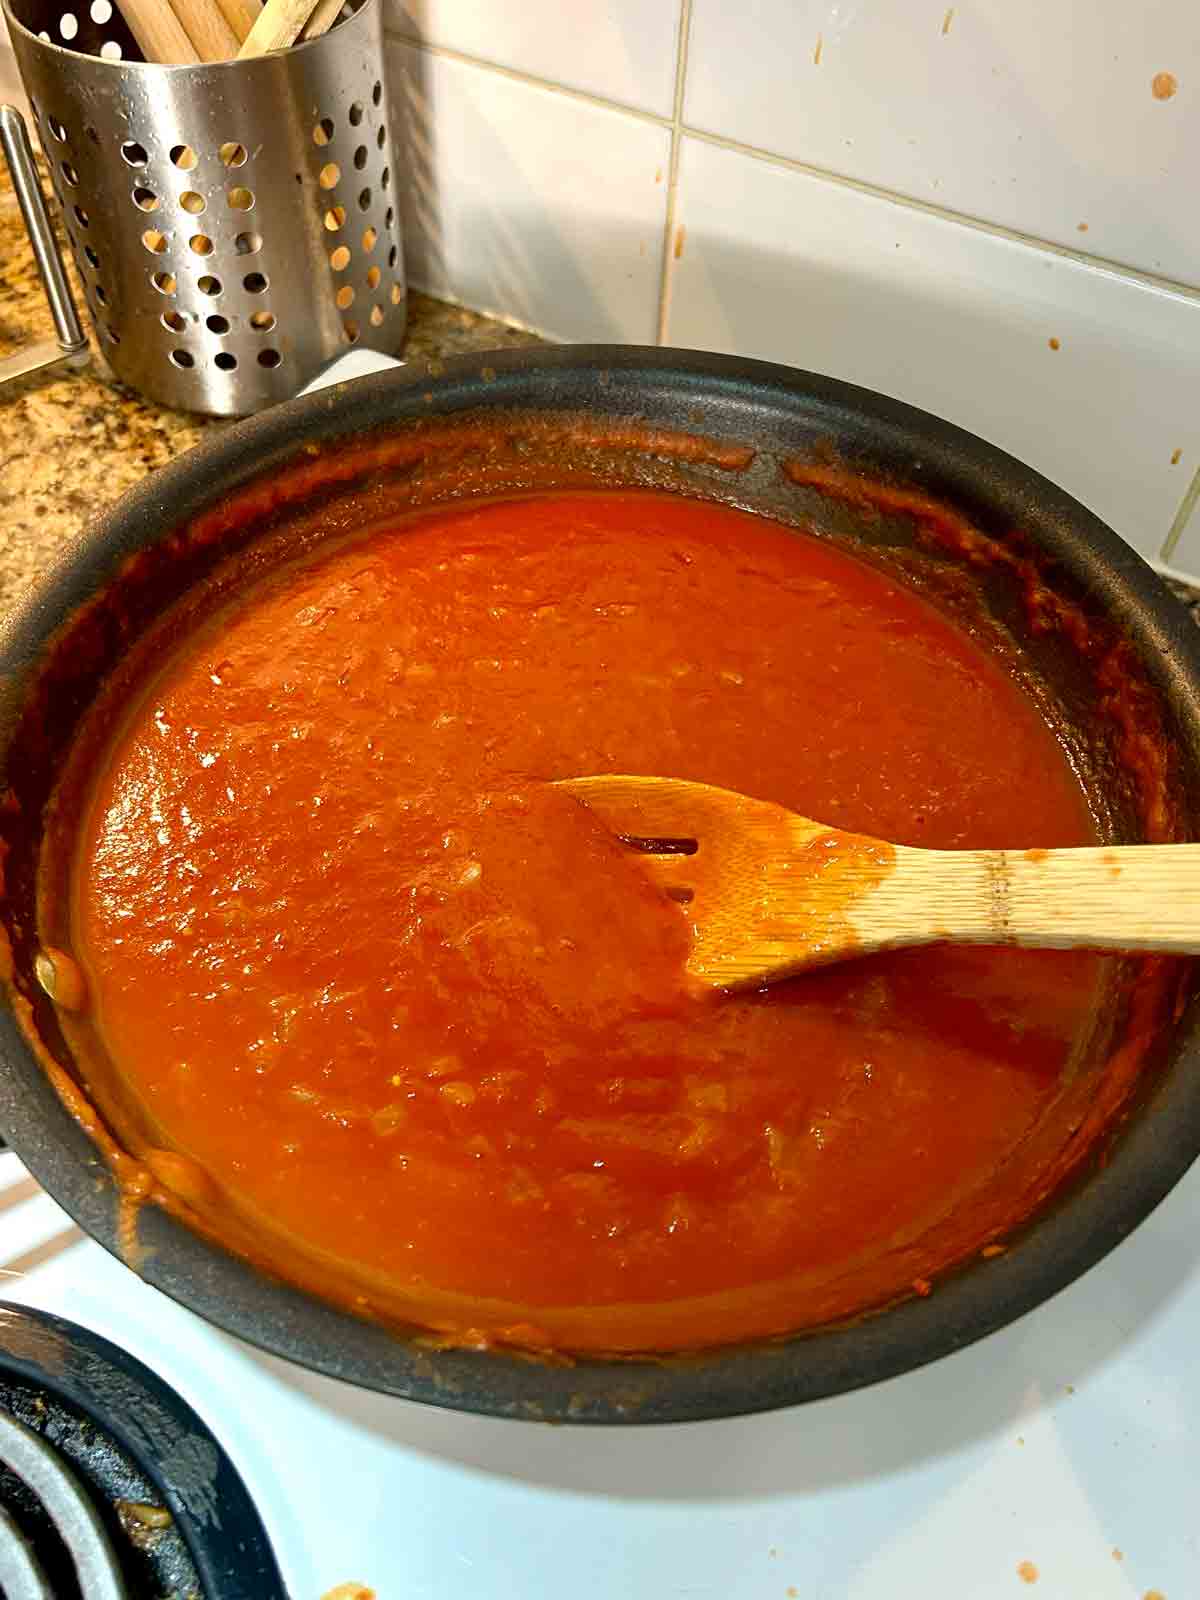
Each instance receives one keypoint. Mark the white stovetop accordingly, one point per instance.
(1073, 1434)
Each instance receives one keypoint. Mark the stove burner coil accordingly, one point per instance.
(74, 1517)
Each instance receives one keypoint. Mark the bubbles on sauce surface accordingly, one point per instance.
(440, 1008)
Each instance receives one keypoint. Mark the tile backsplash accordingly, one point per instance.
(985, 209)
(529, 203)
(1088, 376)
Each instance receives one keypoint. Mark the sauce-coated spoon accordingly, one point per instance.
(770, 893)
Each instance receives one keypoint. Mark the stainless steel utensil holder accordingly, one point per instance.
(235, 225)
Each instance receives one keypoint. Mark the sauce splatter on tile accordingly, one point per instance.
(1055, 344)
(1027, 1572)
(1081, 227)
(1118, 1555)
(680, 240)
(1164, 85)
(1175, 455)
(947, 20)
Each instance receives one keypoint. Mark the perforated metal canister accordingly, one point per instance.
(235, 225)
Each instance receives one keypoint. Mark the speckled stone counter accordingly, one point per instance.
(70, 444)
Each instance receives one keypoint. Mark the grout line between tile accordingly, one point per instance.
(666, 277)
(995, 230)
(1186, 506)
(680, 129)
(515, 76)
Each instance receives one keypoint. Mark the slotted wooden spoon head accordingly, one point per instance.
(767, 892)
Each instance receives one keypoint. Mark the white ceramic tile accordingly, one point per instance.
(530, 203)
(795, 269)
(1037, 116)
(623, 50)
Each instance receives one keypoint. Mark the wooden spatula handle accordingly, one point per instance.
(204, 23)
(159, 32)
(1139, 897)
(277, 26)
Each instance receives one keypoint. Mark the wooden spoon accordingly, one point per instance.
(770, 893)
(278, 25)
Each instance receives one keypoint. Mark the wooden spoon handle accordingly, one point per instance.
(1132, 897)
(204, 23)
(241, 16)
(325, 14)
(158, 32)
(277, 26)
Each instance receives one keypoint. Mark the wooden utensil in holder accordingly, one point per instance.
(185, 32)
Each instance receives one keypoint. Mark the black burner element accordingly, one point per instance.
(111, 1487)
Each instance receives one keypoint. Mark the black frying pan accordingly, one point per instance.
(524, 398)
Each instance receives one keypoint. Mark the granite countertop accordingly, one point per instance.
(72, 442)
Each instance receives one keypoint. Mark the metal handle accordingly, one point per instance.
(72, 347)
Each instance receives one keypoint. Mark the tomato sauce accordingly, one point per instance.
(418, 1022)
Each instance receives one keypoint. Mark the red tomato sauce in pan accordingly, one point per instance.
(419, 1019)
